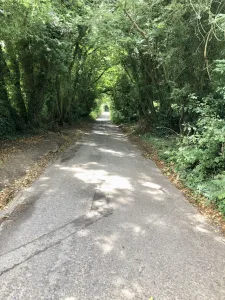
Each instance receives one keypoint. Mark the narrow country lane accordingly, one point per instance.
(103, 223)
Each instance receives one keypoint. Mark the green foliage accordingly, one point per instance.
(173, 80)
(7, 128)
(161, 63)
(200, 159)
(97, 109)
(124, 101)
(117, 117)
(48, 73)
(164, 146)
(214, 189)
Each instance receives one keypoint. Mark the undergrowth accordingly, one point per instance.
(199, 168)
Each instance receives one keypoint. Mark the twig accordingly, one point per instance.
(205, 52)
(162, 127)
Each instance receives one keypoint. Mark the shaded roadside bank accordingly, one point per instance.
(23, 160)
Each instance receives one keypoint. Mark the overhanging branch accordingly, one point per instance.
(136, 26)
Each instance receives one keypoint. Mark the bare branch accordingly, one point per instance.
(100, 76)
(136, 25)
(205, 52)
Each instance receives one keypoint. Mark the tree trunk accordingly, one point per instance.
(18, 97)
(4, 99)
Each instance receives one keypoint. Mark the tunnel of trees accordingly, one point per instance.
(161, 62)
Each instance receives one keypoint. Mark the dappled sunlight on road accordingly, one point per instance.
(89, 176)
(116, 153)
(106, 243)
(135, 229)
(105, 116)
(134, 246)
(117, 227)
(151, 185)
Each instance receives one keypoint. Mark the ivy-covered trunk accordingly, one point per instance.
(16, 81)
(7, 124)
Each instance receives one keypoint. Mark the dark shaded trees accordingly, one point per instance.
(46, 77)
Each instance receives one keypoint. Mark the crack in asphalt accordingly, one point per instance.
(100, 208)
(154, 243)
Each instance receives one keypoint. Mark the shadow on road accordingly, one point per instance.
(136, 237)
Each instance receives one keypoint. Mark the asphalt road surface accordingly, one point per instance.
(103, 223)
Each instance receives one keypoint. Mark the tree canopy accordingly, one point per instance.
(159, 61)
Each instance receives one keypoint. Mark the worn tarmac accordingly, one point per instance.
(103, 223)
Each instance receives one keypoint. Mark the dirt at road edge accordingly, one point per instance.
(214, 217)
(23, 160)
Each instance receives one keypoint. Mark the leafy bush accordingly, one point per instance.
(200, 158)
(7, 127)
(215, 191)
(125, 104)
(117, 117)
(96, 110)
